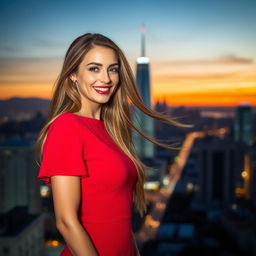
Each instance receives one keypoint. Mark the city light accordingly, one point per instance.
(244, 174)
(151, 222)
(52, 243)
(166, 180)
(142, 60)
(44, 191)
(190, 187)
(152, 185)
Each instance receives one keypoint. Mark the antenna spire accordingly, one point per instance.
(143, 46)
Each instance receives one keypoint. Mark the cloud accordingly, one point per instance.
(29, 70)
(204, 76)
(233, 59)
(222, 60)
(217, 68)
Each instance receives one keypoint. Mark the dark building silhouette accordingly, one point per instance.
(243, 128)
(21, 233)
(18, 170)
(250, 176)
(144, 148)
(220, 162)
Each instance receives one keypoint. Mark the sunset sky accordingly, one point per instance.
(201, 52)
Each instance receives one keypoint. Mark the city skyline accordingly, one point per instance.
(201, 53)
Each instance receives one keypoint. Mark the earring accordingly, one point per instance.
(75, 83)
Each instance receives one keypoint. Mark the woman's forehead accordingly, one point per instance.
(100, 54)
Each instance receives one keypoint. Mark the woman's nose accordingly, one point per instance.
(105, 77)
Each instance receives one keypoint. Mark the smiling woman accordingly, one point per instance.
(96, 78)
(87, 151)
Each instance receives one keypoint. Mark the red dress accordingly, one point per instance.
(77, 145)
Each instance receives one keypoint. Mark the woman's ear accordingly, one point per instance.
(73, 77)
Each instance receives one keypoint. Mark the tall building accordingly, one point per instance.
(21, 233)
(243, 129)
(144, 148)
(18, 169)
(220, 162)
(250, 176)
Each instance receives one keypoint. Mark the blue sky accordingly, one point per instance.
(204, 48)
(180, 29)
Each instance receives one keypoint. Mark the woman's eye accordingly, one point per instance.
(94, 69)
(114, 70)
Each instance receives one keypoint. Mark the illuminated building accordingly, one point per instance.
(144, 148)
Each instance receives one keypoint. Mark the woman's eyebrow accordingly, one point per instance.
(99, 64)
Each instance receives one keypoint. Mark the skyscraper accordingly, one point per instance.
(243, 129)
(18, 183)
(144, 148)
(220, 162)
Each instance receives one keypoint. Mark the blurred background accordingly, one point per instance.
(195, 61)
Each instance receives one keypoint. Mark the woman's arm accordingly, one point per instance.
(134, 241)
(66, 192)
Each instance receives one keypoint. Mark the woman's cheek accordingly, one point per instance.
(90, 78)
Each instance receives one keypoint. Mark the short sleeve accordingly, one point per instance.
(63, 150)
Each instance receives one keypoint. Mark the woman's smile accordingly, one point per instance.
(102, 89)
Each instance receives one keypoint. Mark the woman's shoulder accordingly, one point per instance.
(65, 116)
(64, 121)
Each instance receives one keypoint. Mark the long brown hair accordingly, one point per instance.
(116, 113)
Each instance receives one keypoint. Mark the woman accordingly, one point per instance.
(87, 152)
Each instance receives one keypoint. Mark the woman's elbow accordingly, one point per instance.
(64, 223)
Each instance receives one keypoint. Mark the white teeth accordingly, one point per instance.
(102, 89)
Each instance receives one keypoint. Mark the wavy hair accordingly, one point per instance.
(116, 113)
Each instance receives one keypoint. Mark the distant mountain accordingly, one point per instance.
(23, 106)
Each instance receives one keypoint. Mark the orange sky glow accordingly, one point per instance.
(222, 82)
